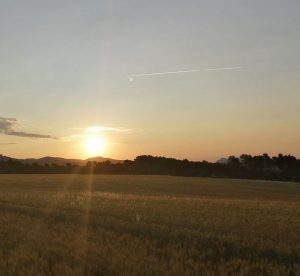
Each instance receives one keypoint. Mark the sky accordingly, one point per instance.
(66, 67)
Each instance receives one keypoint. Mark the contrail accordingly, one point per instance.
(224, 68)
(132, 77)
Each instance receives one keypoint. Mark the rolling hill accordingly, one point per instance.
(58, 160)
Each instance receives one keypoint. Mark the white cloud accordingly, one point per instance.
(103, 129)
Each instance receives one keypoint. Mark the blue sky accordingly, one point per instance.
(65, 66)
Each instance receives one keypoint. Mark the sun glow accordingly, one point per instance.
(94, 145)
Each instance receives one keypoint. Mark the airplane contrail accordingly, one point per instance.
(132, 77)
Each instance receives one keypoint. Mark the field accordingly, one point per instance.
(147, 225)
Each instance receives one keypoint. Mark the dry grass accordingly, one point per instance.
(147, 225)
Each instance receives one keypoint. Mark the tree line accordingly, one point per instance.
(281, 167)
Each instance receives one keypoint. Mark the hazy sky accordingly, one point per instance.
(65, 66)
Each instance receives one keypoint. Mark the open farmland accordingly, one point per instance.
(147, 225)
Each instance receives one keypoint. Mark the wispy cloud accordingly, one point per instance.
(133, 76)
(91, 131)
(103, 129)
(8, 127)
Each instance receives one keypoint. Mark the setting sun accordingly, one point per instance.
(94, 145)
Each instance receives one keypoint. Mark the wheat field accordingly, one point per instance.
(147, 225)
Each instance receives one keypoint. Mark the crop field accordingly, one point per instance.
(147, 225)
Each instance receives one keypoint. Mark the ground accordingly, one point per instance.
(147, 225)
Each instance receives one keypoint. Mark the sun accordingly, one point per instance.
(94, 145)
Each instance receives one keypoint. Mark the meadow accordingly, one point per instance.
(147, 225)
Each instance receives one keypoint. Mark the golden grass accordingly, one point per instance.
(147, 225)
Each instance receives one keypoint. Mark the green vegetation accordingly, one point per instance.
(147, 225)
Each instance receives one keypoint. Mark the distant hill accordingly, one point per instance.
(5, 158)
(223, 161)
(103, 159)
(59, 160)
